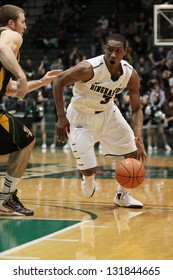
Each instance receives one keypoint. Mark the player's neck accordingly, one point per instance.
(116, 73)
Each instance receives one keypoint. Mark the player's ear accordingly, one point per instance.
(125, 51)
(11, 24)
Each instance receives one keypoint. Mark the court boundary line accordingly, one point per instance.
(23, 246)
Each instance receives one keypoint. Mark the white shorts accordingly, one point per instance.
(108, 127)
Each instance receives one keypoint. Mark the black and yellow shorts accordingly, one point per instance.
(14, 135)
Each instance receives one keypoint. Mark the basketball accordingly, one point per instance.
(130, 173)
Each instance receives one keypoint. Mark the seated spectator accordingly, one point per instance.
(57, 64)
(157, 57)
(131, 55)
(139, 44)
(169, 95)
(142, 67)
(165, 75)
(154, 78)
(169, 54)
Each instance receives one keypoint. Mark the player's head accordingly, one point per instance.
(117, 37)
(115, 48)
(13, 17)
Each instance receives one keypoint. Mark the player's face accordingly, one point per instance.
(20, 24)
(114, 52)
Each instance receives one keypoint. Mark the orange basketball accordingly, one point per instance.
(130, 173)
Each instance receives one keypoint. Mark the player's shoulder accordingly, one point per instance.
(97, 60)
(125, 63)
(12, 35)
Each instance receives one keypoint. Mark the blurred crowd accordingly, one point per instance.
(154, 64)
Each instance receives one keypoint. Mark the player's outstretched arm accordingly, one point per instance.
(34, 84)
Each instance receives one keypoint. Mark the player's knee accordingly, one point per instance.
(89, 172)
(31, 142)
(34, 141)
(132, 155)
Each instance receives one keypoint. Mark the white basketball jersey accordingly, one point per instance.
(99, 92)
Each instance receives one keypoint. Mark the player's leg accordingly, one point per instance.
(119, 140)
(17, 141)
(83, 150)
(82, 144)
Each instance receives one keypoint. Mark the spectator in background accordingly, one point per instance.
(140, 23)
(41, 40)
(156, 111)
(29, 69)
(75, 28)
(39, 106)
(62, 36)
(154, 78)
(165, 76)
(161, 100)
(169, 54)
(148, 33)
(55, 139)
(49, 9)
(131, 55)
(170, 80)
(125, 107)
(157, 57)
(113, 23)
(44, 65)
(168, 121)
(138, 43)
(64, 55)
(104, 23)
(97, 47)
(57, 64)
(97, 32)
(76, 53)
(169, 95)
(67, 99)
(143, 68)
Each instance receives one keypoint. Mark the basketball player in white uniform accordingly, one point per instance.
(93, 117)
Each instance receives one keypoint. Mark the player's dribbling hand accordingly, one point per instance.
(142, 155)
(63, 128)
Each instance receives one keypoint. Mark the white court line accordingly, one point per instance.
(97, 226)
(63, 240)
(23, 246)
(22, 258)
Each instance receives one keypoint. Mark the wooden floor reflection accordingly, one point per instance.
(68, 226)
